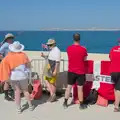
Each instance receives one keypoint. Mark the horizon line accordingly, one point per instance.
(67, 29)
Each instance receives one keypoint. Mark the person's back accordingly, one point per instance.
(76, 57)
(115, 74)
(76, 70)
(4, 49)
(115, 59)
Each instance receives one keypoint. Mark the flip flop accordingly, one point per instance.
(116, 110)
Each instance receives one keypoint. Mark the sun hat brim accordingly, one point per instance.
(9, 37)
(12, 49)
(48, 43)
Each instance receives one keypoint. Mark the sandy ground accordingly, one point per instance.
(91, 56)
(55, 111)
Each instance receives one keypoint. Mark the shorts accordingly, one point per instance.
(22, 84)
(116, 79)
(76, 78)
(51, 80)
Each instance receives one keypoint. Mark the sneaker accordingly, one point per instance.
(8, 98)
(65, 105)
(53, 98)
(19, 111)
(31, 108)
(83, 106)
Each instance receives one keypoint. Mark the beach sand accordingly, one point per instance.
(55, 111)
(91, 56)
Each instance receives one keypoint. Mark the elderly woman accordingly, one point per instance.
(15, 67)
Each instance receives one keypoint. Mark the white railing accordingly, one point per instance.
(37, 66)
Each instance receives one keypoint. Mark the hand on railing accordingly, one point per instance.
(42, 55)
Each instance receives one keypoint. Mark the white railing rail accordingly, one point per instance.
(37, 66)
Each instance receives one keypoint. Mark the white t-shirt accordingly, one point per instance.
(54, 54)
(19, 73)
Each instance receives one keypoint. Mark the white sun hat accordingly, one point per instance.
(9, 35)
(16, 47)
(51, 41)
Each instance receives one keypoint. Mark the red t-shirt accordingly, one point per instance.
(76, 56)
(115, 59)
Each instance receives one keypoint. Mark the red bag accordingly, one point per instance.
(107, 91)
(102, 101)
(37, 90)
(86, 90)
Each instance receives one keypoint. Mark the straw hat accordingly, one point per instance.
(16, 47)
(51, 41)
(9, 35)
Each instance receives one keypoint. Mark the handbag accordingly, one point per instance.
(37, 90)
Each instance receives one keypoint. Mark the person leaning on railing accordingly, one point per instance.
(15, 69)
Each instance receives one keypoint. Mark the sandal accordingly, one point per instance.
(116, 110)
(53, 98)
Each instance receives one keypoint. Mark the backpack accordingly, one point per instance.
(92, 97)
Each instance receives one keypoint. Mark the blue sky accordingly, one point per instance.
(40, 14)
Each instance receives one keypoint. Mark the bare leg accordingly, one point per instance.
(68, 91)
(80, 96)
(27, 96)
(49, 87)
(53, 87)
(6, 86)
(53, 95)
(17, 96)
(67, 95)
(80, 93)
(117, 98)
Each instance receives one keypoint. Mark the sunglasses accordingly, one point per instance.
(50, 45)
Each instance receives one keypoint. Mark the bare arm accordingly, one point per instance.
(56, 68)
(28, 65)
(44, 56)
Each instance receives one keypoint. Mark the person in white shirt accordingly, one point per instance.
(52, 68)
(19, 75)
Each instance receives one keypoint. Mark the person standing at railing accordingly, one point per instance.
(52, 68)
(114, 56)
(76, 70)
(14, 68)
(4, 49)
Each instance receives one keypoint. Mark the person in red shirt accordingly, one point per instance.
(115, 73)
(76, 70)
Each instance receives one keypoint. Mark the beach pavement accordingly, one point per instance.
(55, 111)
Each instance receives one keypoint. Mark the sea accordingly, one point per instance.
(94, 41)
